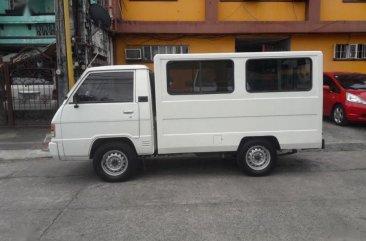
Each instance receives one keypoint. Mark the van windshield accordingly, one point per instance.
(352, 81)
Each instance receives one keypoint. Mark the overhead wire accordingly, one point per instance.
(293, 8)
(248, 11)
(242, 5)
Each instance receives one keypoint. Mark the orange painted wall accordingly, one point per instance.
(217, 44)
(194, 10)
(197, 44)
(181, 10)
(261, 11)
(338, 10)
(326, 43)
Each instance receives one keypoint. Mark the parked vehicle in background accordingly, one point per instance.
(344, 97)
(33, 90)
(252, 105)
(36, 90)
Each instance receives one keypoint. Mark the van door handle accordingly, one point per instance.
(128, 112)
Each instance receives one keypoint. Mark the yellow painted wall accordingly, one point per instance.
(194, 10)
(261, 11)
(208, 44)
(338, 10)
(325, 43)
(212, 44)
(181, 10)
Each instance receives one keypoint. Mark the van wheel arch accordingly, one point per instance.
(270, 139)
(102, 141)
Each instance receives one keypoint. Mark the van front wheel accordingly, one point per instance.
(257, 157)
(114, 162)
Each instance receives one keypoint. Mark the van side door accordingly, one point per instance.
(103, 106)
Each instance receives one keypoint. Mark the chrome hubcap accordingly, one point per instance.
(114, 163)
(258, 157)
(338, 115)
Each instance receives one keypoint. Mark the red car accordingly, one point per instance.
(344, 97)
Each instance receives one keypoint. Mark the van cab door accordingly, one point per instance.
(103, 105)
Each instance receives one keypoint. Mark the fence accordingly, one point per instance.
(28, 90)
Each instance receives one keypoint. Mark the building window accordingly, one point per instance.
(154, 0)
(151, 50)
(264, 0)
(191, 77)
(278, 75)
(350, 52)
(361, 51)
(354, 1)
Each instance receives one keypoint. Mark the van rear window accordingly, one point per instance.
(278, 75)
(200, 77)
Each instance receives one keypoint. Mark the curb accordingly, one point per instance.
(24, 154)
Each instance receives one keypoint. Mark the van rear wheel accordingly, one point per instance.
(257, 157)
(114, 162)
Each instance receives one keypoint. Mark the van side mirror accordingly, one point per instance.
(326, 88)
(75, 100)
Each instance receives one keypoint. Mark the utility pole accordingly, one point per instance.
(65, 71)
(61, 71)
(87, 46)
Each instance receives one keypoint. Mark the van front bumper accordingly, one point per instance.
(52, 146)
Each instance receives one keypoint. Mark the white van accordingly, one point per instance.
(249, 104)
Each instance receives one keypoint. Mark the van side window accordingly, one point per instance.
(106, 87)
(278, 75)
(200, 77)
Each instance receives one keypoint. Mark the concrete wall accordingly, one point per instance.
(326, 44)
(182, 10)
(337, 10)
(217, 44)
(197, 44)
(261, 11)
(194, 10)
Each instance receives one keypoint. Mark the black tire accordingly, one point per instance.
(339, 115)
(115, 162)
(257, 157)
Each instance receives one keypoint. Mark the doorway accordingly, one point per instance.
(261, 44)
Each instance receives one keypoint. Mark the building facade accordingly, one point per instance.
(23, 24)
(336, 27)
(27, 60)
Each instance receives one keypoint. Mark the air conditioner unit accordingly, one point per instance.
(133, 54)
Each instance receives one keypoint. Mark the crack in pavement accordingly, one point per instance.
(281, 169)
(46, 177)
(252, 203)
(54, 220)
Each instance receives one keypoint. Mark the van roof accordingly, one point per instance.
(238, 55)
(117, 67)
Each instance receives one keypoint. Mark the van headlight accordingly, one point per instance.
(355, 99)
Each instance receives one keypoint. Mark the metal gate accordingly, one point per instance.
(30, 89)
(3, 114)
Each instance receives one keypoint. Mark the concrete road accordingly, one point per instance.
(313, 195)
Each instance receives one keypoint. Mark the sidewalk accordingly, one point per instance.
(23, 143)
